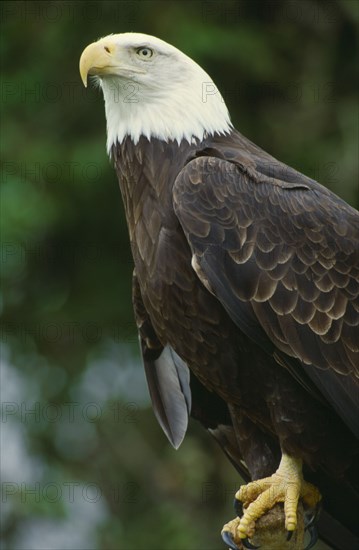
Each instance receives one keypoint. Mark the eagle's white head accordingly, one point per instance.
(153, 89)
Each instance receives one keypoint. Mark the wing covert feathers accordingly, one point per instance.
(283, 260)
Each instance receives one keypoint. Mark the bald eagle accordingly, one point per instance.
(245, 288)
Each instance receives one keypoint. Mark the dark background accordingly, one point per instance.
(84, 463)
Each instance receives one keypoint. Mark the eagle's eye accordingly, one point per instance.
(144, 53)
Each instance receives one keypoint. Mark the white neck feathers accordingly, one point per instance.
(189, 111)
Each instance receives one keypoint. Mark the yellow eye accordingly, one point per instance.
(144, 53)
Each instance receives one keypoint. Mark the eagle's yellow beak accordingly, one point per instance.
(97, 58)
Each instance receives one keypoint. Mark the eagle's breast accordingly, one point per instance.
(183, 312)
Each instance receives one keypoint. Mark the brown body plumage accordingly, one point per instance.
(254, 216)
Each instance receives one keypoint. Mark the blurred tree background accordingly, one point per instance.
(84, 463)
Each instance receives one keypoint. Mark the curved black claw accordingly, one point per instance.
(313, 531)
(248, 544)
(238, 507)
(228, 540)
(289, 535)
(313, 517)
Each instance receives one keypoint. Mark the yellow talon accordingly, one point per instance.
(285, 485)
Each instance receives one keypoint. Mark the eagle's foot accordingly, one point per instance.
(286, 485)
(258, 497)
(269, 535)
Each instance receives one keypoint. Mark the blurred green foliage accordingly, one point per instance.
(89, 467)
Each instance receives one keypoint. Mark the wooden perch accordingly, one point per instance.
(270, 532)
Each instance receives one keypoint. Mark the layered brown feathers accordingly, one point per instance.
(246, 295)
